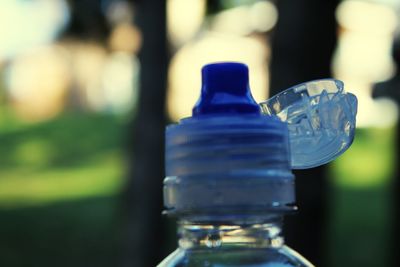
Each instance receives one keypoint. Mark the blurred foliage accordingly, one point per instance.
(359, 227)
(76, 233)
(369, 161)
(75, 155)
(361, 201)
(59, 185)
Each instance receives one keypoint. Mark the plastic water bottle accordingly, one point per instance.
(228, 167)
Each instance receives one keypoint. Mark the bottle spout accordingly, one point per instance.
(225, 90)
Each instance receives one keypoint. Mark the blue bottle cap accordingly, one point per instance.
(228, 159)
(236, 156)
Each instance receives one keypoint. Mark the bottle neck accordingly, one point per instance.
(264, 234)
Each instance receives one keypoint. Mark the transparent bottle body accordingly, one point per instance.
(283, 257)
(256, 245)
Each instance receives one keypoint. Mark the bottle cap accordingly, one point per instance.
(228, 159)
(321, 119)
(234, 157)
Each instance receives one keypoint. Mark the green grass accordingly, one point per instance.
(60, 183)
(359, 227)
(77, 233)
(73, 156)
(22, 188)
(360, 210)
(370, 160)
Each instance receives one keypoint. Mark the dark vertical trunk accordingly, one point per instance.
(302, 48)
(145, 235)
(213, 6)
(87, 21)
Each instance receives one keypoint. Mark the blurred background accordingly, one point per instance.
(87, 87)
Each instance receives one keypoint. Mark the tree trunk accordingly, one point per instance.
(146, 226)
(302, 48)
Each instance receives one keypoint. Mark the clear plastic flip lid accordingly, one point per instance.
(321, 118)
